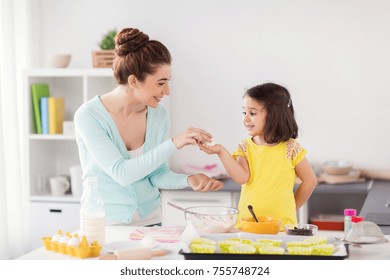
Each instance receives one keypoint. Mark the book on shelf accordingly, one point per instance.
(56, 114)
(45, 115)
(37, 92)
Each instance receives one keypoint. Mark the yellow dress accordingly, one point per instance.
(272, 175)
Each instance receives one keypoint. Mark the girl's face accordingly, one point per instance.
(151, 91)
(254, 116)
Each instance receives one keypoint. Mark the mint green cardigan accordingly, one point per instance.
(126, 184)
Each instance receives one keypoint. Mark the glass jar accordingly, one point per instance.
(348, 214)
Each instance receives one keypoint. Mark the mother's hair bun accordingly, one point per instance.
(129, 40)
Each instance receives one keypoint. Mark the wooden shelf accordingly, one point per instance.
(51, 137)
(51, 198)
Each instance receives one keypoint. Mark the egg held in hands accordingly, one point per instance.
(211, 143)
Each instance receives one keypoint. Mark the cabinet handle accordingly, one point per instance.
(387, 204)
(55, 211)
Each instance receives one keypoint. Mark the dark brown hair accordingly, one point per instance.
(136, 55)
(280, 123)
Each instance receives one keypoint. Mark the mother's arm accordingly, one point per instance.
(108, 156)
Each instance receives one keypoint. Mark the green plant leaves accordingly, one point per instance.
(108, 41)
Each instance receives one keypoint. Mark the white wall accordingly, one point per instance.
(333, 56)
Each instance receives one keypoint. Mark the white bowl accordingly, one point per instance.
(59, 60)
(337, 167)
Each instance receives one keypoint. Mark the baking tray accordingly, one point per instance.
(341, 250)
(222, 256)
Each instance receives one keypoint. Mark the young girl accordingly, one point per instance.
(267, 163)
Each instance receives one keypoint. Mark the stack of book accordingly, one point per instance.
(48, 112)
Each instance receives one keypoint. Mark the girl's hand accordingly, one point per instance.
(191, 136)
(202, 183)
(216, 149)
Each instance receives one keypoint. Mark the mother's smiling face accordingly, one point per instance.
(154, 87)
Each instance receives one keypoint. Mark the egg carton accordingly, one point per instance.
(75, 249)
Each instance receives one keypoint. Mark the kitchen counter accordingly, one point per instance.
(121, 233)
(358, 188)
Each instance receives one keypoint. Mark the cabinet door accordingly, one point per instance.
(376, 207)
(48, 217)
(174, 217)
(235, 199)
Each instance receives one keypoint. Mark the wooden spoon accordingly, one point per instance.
(253, 213)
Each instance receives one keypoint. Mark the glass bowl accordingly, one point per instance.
(266, 225)
(365, 232)
(300, 229)
(212, 219)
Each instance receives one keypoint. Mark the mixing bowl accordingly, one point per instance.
(266, 225)
(212, 219)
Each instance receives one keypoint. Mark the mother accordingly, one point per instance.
(122, 135)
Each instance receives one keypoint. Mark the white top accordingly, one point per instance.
(137, 152)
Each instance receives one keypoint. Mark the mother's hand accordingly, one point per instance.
(191, 136)
(202, 183)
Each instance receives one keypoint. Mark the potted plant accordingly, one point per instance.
(104, 57)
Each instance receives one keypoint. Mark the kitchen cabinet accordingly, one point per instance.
(328, 199)
(376, 207)
(47, 217)
(51, 155)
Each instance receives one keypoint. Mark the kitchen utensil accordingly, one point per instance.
(265, 225)
(59, 60)
(365, 232)
(337, 167)
(352, 177)
(210, 219)
(59, 185)
(134, 254)
(197, 215)
(250, 208)
(181, 208)
(300, 229)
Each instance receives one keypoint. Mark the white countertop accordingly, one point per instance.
(121, 233)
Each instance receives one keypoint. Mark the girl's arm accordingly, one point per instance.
(309, 182)
(237, 169)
